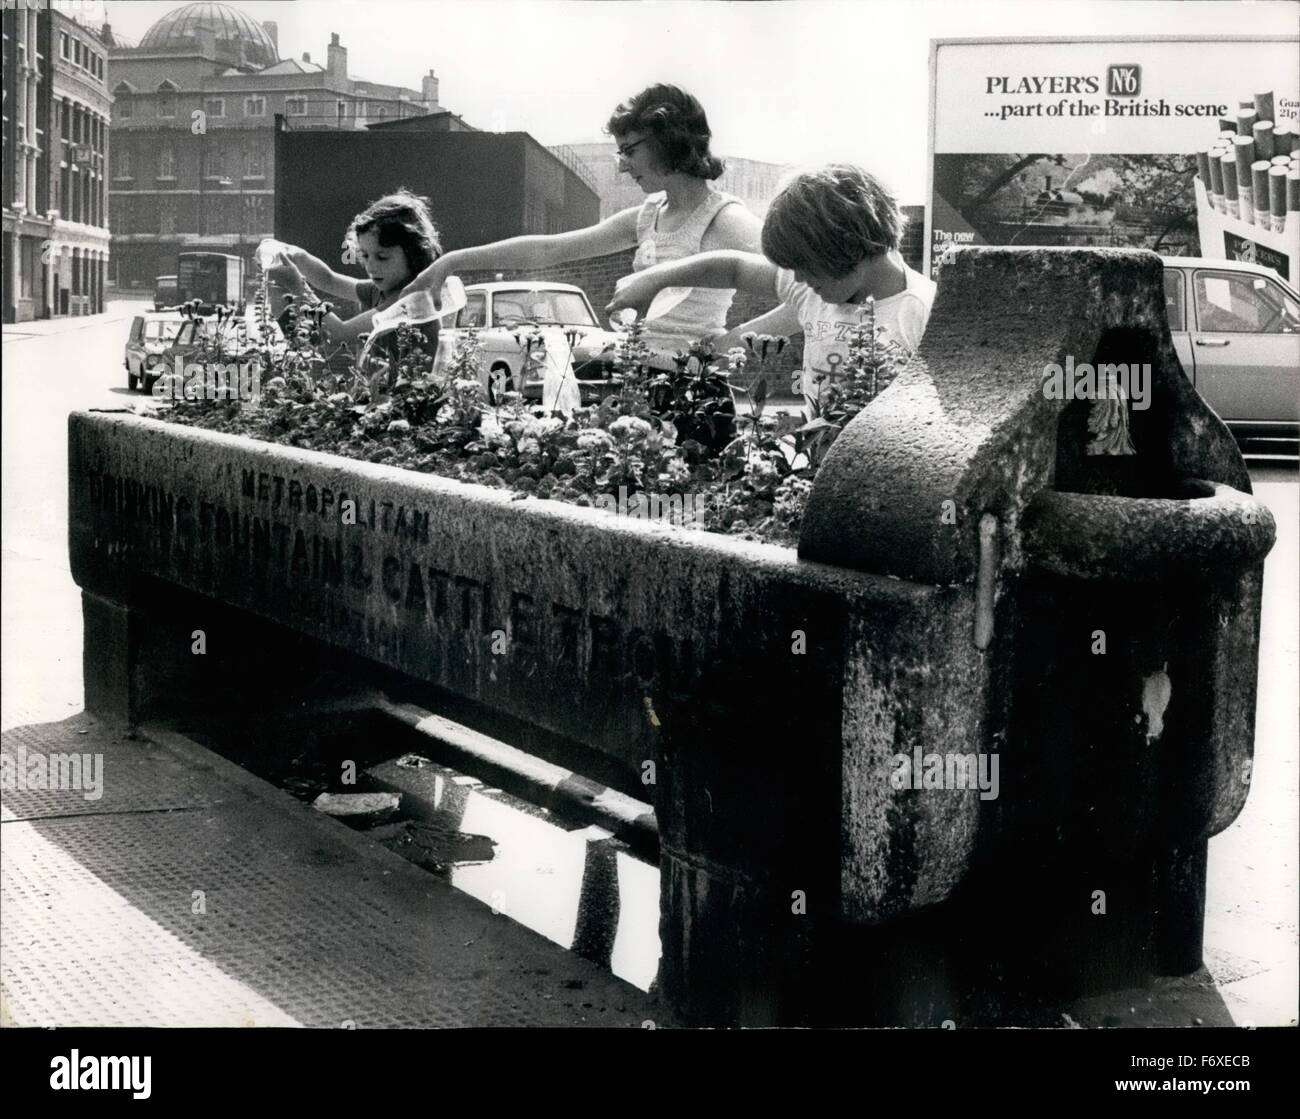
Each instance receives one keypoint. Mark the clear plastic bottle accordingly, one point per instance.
(270, 252)
(665, 301)
(415, 307)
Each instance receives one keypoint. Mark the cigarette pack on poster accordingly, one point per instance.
(1227, 237)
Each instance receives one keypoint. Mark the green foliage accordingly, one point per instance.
(673, 432)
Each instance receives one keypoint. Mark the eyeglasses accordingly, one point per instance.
(627, 149)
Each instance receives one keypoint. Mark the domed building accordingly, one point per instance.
(193, 131)
(222, 29)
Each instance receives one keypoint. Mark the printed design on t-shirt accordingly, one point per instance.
(826, 347)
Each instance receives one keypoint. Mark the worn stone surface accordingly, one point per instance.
(646, 643)
(1118, 689)
(784, 824)
(967, 421)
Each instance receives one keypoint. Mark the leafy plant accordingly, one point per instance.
(873, 363)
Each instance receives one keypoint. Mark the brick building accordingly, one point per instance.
(56, 117)
(484, 186)
(194, 131)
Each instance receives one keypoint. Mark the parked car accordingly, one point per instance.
(502, 312)
(157, 340)
(166, 293)
(1236, 327)
(148, 347)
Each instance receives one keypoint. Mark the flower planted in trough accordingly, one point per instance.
(957, 547)
(662, 433)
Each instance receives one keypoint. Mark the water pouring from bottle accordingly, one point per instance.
(415, 308)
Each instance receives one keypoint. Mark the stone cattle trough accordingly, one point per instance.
(957, 756)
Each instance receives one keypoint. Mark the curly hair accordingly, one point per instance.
(677, 127)
(402, 220)
(829, 220)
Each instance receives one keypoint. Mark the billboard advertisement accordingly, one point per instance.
(1184, 145)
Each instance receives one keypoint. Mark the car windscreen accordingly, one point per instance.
(567, 307)
(1243, 303)
(161, 331)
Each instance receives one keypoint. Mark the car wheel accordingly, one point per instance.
(498, 384)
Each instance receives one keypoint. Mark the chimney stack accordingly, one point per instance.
(306, 56)
(272, 30)
(336, 64)
(429, 91)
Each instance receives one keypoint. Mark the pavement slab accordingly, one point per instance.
(299, 921)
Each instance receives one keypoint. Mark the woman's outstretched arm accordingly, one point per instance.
(540, 251)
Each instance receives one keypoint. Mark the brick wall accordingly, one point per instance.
(598, 275)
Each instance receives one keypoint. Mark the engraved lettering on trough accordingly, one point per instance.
(282, 546)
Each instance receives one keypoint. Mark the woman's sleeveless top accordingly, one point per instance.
(704, 311)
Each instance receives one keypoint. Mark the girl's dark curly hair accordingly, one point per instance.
(401, 220)
(677, 126)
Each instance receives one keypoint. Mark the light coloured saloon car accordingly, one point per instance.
(1236, 327)
(503, 312)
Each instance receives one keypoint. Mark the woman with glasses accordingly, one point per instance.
(663, 145)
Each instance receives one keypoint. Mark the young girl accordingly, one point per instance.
(393, 239)
(663, 144)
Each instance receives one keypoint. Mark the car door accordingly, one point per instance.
(135, 347)
(500, 347)
(1247, 348)
(1176, 313)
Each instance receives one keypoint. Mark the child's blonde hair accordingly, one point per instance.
(828, 221)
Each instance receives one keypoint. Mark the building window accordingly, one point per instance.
(295, 106)
(166, 105)
(253, 168)
(254, 106)
(122, 164)
(167, 164)
(213, 164)
(167, 216)
(124, 108)
(254, 215)
(341, 108)
(63, 44)
(214, 106)
(380, 112)
(76, 51)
